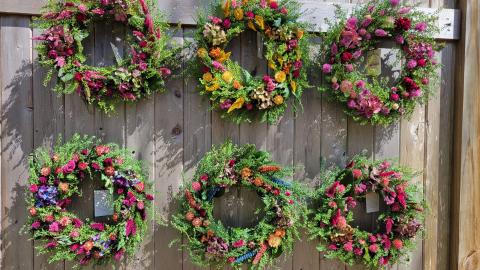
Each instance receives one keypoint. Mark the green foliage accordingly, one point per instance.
(57, 231)
(235, 92)
(334, 197)
(224, 167)
(373, 103)
(65, 28)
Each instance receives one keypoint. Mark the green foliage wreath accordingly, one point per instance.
(367, 97)
(210, 242)
(234, 91)
(150, 59)
(55, 178)
(339, 193)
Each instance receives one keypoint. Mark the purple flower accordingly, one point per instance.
(69, 168)
(411, 64)
(380, 33)
(421, 26)
(47, 195)
(357, 54)
(326, 68)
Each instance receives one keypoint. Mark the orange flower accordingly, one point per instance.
(189, 216)
(274, 241)
(88, 245)
(237, 85)
(246, 173)
(197, 222)
(63, 187)
(280, 232)
(109, 171)
(215, 52)
(300, 33)
(208, 77)
(45, 171)
(226, 8)
(269, 168)
(258, 181)
(260, 21)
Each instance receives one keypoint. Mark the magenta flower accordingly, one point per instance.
(227, 23)
(149, 23)
(358, 251)
(326, 68)
(130, 228)
(165, 71)
(352, 104)
(54, 227)
(348, 246)
(33, 188)
(399, 39)
(215, 20)
(411, 64)
(226, 104)
(51, 244)
(218, 66)
(421, 26)
(119, 254)
(69, 168)
(77, 223)
(404, 10)
(98, 11)
(196, 186)
(388, 225)
(380, 33)
(36, 225)
(97, 226)
(394, 2)
(332, 247)
(144, 6)
(250, 14)
(238, 244)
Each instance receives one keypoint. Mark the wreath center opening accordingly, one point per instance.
(239, 207)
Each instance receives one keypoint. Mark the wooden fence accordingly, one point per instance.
(170, 132)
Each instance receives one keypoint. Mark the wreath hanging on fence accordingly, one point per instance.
(141, 73)
(210, 242)
(349, 40)
(236, 93)
(55, 179)
(397, 227)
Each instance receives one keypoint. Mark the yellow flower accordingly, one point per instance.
(212, 87)
(300, 33)
(238, 13)
(272, 65)
(280, 76)
(208, 77)
(251, 26)
(293, 84)
(202, 53)
(227, 76)
(260, 22)
(274, 241)
(223, 57)
(226, 8)
(278, 99)
(237, 104)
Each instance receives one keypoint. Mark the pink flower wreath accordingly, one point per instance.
(345, 44)
(142, 72)
(398, 225)
(55, 179)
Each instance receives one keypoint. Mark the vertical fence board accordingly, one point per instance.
(16, 138)
(169, 138)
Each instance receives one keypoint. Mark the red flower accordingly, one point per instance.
(389, 225)
(82, 165)
(357, 173)
(397, 243)
(403, 23)
(273, 5)
(346, 56)
(33, 188)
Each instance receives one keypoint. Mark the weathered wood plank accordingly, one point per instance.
(465, 237)
(198, 134)
(169, 137)
(48, 123)
(16, 138)
(185, 12)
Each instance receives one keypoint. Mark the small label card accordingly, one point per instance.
(102, 203)
(373, 202)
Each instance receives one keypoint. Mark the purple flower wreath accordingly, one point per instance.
(55, 178)
(370, 100)
(339, 194)
(142, 72)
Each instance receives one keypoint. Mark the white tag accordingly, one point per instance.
(102, 203)
(373, 202)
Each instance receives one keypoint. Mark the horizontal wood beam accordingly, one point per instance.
(185, 11)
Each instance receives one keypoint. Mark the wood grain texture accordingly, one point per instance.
(465, 238)
(16, 138)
